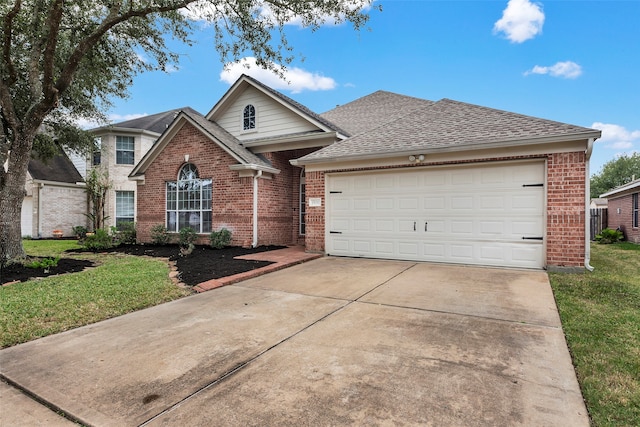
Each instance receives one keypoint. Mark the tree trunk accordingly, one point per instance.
(12, 191)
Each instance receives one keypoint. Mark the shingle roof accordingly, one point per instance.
(447, 124)
(370, 111)
(622, 189)
(153, 123)
(57, 169)
(225, 138)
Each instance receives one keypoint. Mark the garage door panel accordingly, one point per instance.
(472, 215)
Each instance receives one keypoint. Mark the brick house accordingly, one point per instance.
(385, 176)
(624, 209)
(120, 146)
(55, 197)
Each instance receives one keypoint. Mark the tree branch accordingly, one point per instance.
(7, 39)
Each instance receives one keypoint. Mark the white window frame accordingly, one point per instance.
(129, 140)
(635, 210)
(188, 201)
(119, 207)
(244, 117)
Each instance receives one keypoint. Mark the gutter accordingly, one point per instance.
(254, 242)
(587, 194)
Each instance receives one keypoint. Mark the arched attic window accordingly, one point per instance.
(189, 201)
(249, 118)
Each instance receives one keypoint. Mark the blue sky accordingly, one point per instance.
(571, 61)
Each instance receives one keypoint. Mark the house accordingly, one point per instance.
(598, 203)
(121, 146)
(624, 209)
(385, 176)
(55, 197)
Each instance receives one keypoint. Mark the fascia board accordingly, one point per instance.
(522, 143)
(177, 124)
(254, 167)
(623, 190)
(121, 130)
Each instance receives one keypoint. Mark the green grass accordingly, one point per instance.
(600, 314)
(119, 285)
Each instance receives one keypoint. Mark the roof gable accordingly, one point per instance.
(214, 132)
(277, 114)
(451, 125)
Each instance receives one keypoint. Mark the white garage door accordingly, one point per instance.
(489, 214)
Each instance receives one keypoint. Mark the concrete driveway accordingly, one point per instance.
(334, 341)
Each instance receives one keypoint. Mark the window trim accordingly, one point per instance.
(178, 199)
(133, 206)
(131, 139)
(635, 210)
(246, 116)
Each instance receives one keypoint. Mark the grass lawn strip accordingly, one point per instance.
(600, 314)
(121, 284)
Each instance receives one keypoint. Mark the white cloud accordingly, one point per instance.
(566, 70)
(521, 20)
(617, 137)
(295, 79)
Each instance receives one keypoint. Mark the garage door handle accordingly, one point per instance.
(533, 238)
(335, 232)
(425, 225)
(414, 226)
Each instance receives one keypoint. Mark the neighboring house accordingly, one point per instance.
(121, 146)
(55, 198)
(385, 176)
(598, 203)
(624, 209)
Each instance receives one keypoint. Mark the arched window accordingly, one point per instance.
(249, 117)
(189, 201)
(303, 204)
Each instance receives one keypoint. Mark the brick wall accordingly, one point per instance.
(624, 218)
(232, 206)
(61, 208)
(232, 196)
(565, 208)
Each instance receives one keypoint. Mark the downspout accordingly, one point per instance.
(587, 222)
(254, 242)
(39, 224)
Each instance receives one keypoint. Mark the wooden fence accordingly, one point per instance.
(599, 221)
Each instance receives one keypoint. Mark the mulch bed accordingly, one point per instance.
(20, 273)
(204, 263)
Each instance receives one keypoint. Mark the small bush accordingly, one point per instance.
(220, 239)
(80, 231)
(160, 235)
(44, 263)
(127, 233)
(99, 241)
(187, 237)
(609, 235)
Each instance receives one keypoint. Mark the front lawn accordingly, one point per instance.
(600, 314)
(118, 285)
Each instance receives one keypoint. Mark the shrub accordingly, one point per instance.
(160, 235)
(609, 235)
(80, 231)
(187, 237)
(99, 241)
(44, 263)
(127, 232)
(220, 239)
